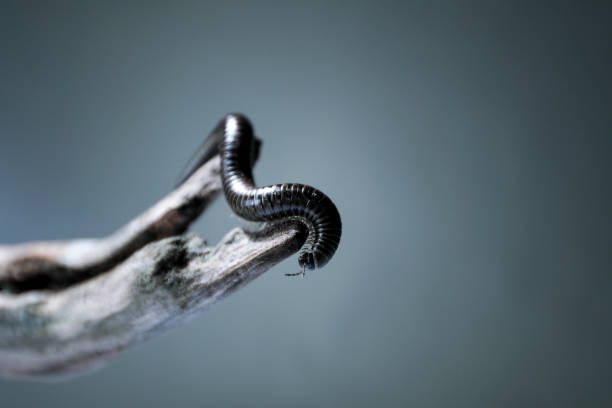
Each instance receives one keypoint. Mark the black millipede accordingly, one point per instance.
(234, 140)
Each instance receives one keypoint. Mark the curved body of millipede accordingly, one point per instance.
(234, 141)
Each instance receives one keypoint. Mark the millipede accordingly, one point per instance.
(234, 140)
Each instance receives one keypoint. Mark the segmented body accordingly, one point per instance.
(234, 140)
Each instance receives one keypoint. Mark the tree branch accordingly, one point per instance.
(79, 303)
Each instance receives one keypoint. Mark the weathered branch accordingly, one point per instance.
(57, 333)
(81, 302)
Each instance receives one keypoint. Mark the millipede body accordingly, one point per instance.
(234, 140)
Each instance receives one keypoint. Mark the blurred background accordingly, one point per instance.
(465, 144)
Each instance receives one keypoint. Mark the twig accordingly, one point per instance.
(81, 302)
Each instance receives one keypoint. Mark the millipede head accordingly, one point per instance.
(307, 260)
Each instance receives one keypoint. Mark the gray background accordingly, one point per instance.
(466, 146)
